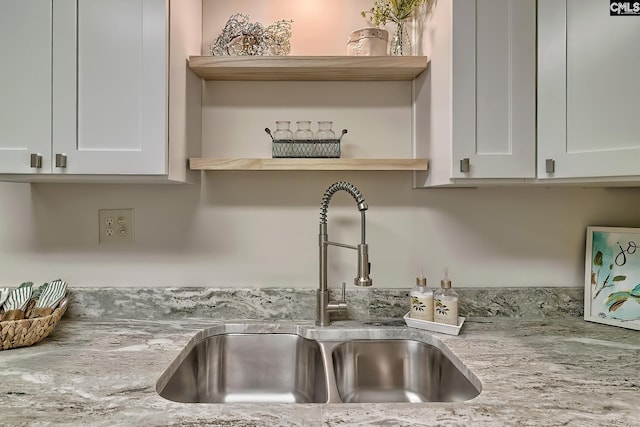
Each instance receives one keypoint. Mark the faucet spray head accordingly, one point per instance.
(364, 267)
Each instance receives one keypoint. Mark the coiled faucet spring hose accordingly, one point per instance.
(353, 191)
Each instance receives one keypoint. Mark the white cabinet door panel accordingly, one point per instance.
(25, 85)
(494, 88)
(589, 96)
(110, 86)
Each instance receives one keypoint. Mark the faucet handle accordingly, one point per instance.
(344, 291)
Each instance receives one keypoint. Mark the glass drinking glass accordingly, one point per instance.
(304, 130)
(325, 131)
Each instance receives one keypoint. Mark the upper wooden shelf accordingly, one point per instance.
(308, 68)
(308, 164)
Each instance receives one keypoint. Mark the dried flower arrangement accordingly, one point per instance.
(392, 10)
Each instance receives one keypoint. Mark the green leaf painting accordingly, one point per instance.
(614, 274)
(597, 260)
(616, 299)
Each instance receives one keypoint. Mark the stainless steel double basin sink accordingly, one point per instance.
(287, 367)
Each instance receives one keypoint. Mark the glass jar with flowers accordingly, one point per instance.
(399, 12)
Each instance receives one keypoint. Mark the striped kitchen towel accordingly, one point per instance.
(19, 297)
(52, 294)
(4, 293)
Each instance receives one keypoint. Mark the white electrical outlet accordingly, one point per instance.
(115, 225)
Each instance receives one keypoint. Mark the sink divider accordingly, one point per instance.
(326, 349)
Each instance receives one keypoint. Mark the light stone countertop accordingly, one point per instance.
(539, 371)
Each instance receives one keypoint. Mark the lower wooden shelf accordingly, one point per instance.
(308, 164)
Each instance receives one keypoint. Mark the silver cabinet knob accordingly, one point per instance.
(36, 160)
(550, 165)
(464, 165)
(61, 160)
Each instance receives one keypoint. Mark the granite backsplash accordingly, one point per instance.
(299, 304)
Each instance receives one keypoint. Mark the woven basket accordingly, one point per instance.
(26, 332)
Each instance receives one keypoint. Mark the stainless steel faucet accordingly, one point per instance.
(326, 305)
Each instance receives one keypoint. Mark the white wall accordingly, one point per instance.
(254, 229)
(258, 229)
(320, 27)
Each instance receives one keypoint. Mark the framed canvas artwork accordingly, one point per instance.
(612, 276)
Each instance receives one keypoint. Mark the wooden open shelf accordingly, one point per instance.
(308, 68)
(308, 164)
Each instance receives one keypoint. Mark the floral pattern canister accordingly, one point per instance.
(368, 42)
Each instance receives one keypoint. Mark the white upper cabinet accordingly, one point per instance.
(110, 86)
(478, 93)
(86, 84)
(25, 85)
(588, 91)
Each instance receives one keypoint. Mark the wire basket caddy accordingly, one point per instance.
(305, 148)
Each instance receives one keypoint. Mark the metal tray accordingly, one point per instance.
(305, 148)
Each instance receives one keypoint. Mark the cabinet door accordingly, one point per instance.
(25, 84)
(110, 86)
(493, 88)
(588, 90)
